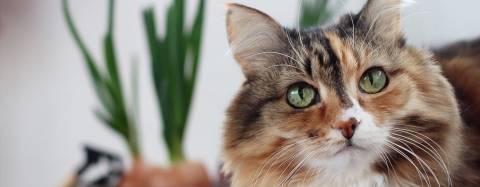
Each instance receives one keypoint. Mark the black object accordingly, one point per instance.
(95, 158)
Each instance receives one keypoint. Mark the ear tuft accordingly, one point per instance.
(251, 32)
(382, 18)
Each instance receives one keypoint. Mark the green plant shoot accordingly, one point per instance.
(174, 60)
(107, 84)
(314, 12)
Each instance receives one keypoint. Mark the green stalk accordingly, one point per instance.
(108, 84)
(314, 12)
(174, 76)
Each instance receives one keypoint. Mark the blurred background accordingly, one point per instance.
(47, 102)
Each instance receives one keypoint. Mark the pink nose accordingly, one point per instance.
(347, 127)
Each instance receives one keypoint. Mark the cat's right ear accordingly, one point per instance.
(253, 37)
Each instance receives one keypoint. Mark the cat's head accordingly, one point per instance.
(345, 103)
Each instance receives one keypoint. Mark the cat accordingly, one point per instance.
(350, 104)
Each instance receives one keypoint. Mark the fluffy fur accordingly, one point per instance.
(410, 134)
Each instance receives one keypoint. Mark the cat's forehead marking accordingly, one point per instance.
(326, 50)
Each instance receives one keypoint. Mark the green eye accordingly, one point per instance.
(373, 80)
(301, 95)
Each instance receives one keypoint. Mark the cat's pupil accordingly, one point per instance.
(370, 78)
(301, 93)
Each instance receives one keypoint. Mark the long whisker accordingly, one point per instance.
(431, 150)
(387, 162)
(276, 53)
(290, 161)
(423, 135)
(353, 27)
(293, 48)
(420, 174)
(271, 159)
(393, 167)
(298, 26)
(308, 175)
(420, 159)
(438, 158)
(295, 169)
(427, 150)
(384, 161)
(410, 151)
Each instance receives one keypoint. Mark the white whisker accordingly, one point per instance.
(290, 161)
(299, 165)
(432, 150)
(293, 48)
(298, 27)
(273, 52)
(420, 174)
(271, 160)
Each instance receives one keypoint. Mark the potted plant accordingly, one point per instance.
(174, 78)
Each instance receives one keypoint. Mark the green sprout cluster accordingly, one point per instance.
(107, 83)
(174, 61)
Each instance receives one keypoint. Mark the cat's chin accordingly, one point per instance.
(348, 163)
(346, 158)
(350, 149)
(348, 155)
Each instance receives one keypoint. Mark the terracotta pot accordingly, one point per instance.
(184, 174)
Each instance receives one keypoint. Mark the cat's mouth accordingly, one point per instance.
(349, 147)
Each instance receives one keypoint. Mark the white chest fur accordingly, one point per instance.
(367, 180)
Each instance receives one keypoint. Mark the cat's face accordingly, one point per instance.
(341, 104)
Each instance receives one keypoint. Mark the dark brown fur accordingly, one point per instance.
(461, 65)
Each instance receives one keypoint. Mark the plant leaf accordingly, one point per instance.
(195, 48)
(107, 86)
(176, 88)
(313, 12)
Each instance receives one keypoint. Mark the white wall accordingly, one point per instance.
(46, 100)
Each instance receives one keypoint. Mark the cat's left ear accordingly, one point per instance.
(381, 18)
(253, 36)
